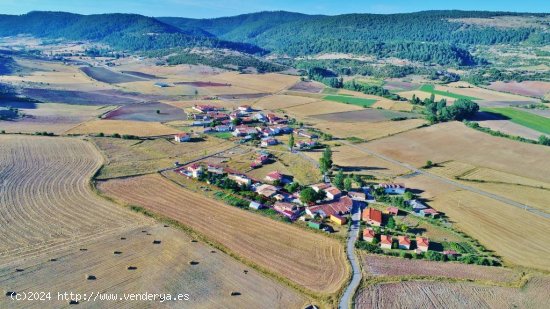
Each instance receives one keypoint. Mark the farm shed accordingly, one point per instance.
(315, 225)
(338, 219)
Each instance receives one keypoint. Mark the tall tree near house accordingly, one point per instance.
(291, 142)
(325, 162)
(339, 180)
(348, 184)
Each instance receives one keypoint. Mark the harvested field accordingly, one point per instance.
(369, 130)
(276, 102)
(280, 248)
(122, 127)
(490, 175)
(107, 76)
(491, 103)
(318, 107)
(308, 86)
(366, 115)
(523, 118)
(79, 97)
(203, 84)
(241, 96)
(397, 85)
(51, 117)
(480, 93)
(161, 268)
(527, 88)
(270, 82)
(148, 87)
(46, 201)
(363, 102)
(380, 265)
(468, 146)
(142, 75)
(147, 112)
(393, 105)
(497, 122)
(131, 157)
(433, 294)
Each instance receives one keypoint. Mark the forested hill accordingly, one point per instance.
(433, 36)
(123, 31)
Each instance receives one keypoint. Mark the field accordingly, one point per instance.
(203, 84)
(368, 130)
(147, 112)
(379, 265)
(498, 122)
(318, 107)
(433, 294)
(308, 86)
(131, 157)
(270, 82)
(527, 88)
(393, 105)
(107, 76)
(100, 97)
(397, 85)
(366, 115)
(122, 127)
(276, 102)
(50, 117)
(46, 201)
(432, 90)
(523, 118)
(466, 89)
(285, 250)
(350, 100)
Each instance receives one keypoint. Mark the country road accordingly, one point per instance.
(499, 198)
(347, 297)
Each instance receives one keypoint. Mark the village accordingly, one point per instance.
(323, 206)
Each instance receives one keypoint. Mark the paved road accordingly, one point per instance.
(346, 300)
(499, 198)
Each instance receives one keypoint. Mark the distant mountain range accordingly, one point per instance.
(441, 37)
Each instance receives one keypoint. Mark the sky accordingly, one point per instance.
(218, 8)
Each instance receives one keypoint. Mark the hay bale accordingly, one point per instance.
(53, 260)
(122, 238)
(166, 225)
(245, 271)
(235, 293)
(73, 302)
(83, 249)
(19, 270)
(194, 240)
(91, 277)
(156, 242)
(193, 263)
(132, 268)
(117, 252)
(144, 231)
(148, 234)
(213, 251)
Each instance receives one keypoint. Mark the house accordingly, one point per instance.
(422, 244)
(428, 212)
(392, 211)
(283, 129)
(195, 169)
(208, 130)
(357, 196)
(417, 205)
(333, 193)
(450, 253)
(372, 216)
(269, 141)
(222, 128)
(368, 235)
(320, 186)
(340, 207)
(266, 190)
(279, 197)
(245, 108)
(315, 225)
(215, 169)
(404, 242)
(385, 241)
(260, 117)
(338, 219)
(393, 188)
(306, 144)
(255, 205)
(274, 176)
(204, 108)
(307, 134)
(243, 130)
(240, 179)
(288, 210)
(182, 137)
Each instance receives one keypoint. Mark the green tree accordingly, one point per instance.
(348, 184)
(291, 142)
(391, 223)
(338, 180)
(325, 162)
(158, 111)
(408, 196)
(308, 195)
(292, 187)
(543, 140)
(429, 164)
(358, 181)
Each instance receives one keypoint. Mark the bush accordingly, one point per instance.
(363, 245)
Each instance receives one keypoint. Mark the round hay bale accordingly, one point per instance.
(148, 234)
(19, 270)
(53, 260)
(132, 268)
(122, 238)
(213, 251)
(156, 242)
(245, 271)
(166, 225)
(235, 293)
(91, 277)
(83, 249)
(144, 231)
(194, 240)
(193, 263)
(117, 252)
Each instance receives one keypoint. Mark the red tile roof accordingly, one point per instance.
(373, 215)
(275, 175)
(385, 239)
(393, 210)
(368, 233)
(404, 240)
(422, 242)
(333, 191)
(343, 205)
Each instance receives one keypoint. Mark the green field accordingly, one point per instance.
(350, 100)
(526, 119)
(431, 89)
(224, 135)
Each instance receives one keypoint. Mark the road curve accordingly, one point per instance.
(347, 297)
(499, 198)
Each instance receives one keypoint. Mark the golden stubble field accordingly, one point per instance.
(138, 128)
(313, 261)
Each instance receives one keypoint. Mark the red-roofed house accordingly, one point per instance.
(422, 243)
(333, 193)
(245, 108)
(338, 219)
(204, 108)
(320, 186)
(368, 235)
(182, 137)
(274, 176)
(392, 211)
(385, 241)
(372, 216)
(240, 179)
(340, 207)
(195, 169)
(404, 242)
(288, 210)
(428, 212)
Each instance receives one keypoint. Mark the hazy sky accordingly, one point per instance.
(217, 8)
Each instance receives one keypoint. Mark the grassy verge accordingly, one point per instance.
(350, 100)
(431, 89)
(526, 119)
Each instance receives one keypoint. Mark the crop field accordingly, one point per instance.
(468, 146)
(380, 265)
(527, 88)
(318, 107)
(368, 130)
(497, 122)
(160, 268)
(203, 84)
(148, 87)
(50, 117)
(141, 75)
(434, 294)
(524, 118)
(138, 128)
(424, 95)
(147, 112)
(308, 86)
(431, 89)
(366, 115)
(467, 89)
(490, 175)
(57, 207)
(283, 249)
(80, 97)
(270, 82)
(276, 102)
(397, 85)
(350, 100)
(107, 76)
(131, 157)
(393, 105)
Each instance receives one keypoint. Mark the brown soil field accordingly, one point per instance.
(320, 107)
(423, 95)
(367, 130)
(511, 128)
(393, 105)
(270, 82)
(276, 102)
(46, 201)
(468, 146)
(285, 250)
(365, 115)
(161, 268)
(51, 117)
(308, 86)
(433, 294)
(132, 157)
(527, 88)
(148, 87)
(482, 93)
(380, 265)
(489, 175)
(121, 127)
(107, 76)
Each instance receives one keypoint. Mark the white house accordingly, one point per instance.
(182, 137)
